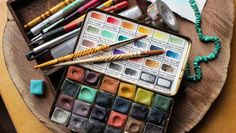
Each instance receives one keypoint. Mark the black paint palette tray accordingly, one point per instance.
(91, 102)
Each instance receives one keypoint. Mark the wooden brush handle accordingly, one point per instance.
(72, 56)
(125, 56)
(48, 13)
(82, 53)
(107, 58)
(110, 58)
(117, 57)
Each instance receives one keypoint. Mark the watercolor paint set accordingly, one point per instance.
(91, 102)
(158, 73)
(131, 96)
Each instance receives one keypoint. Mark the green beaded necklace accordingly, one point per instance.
(204, 38)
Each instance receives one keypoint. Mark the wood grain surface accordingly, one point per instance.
(190, 106)
(23, 119)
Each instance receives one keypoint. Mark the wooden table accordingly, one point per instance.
(26, 122)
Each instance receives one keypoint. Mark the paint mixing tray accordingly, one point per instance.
(162, 73)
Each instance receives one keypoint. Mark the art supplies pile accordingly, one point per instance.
(122, 69)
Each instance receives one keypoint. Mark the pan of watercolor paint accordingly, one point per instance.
(162, 73)
(91, 102)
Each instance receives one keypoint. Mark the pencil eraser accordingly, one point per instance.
(36, 87)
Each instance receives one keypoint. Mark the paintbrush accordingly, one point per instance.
(86, 52)
(110, 58)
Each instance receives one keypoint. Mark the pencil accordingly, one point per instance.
(74, 24)
(59, 22)
(108, 9)
(34, 31)
(50, 44)
(86, 52)
(81, 10)
(110, 58)
(48, 13)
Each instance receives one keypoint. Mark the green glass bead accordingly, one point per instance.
(198, 77)
(205, 59)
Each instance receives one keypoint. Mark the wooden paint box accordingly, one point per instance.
(25, 10)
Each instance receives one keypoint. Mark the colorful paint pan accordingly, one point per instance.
(137, 60)
(99, 114)
(122, 38)
(152, 63)
(144, 96)
(87, 94)
(140, 45)
(117, 120)
(77, 123)
(156, 116)
(162, 102)
(60, 116)
(152, 128)
(159, 35)
(173, 55)
(127, 91)
(110, 35)
(104, 100)
(168, 68)
(92, 78)
(113, 21)
(134, 126)
(70, 88)
(131, 72)
(65, 102)
(93, 30)
(98, 16)
(109, 84)
(82, 108)
(145, 31)
(121, 105)
(89, 43)
(116, 67)
(139, 112)
(177, 41)
(129, 26)
(164, 82)
(154, 47)
(117, 51)
(94, 126)
(150, 78)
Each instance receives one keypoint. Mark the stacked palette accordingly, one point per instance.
(91, 102)
(158, 73)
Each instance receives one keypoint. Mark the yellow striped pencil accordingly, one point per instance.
(47, 14)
